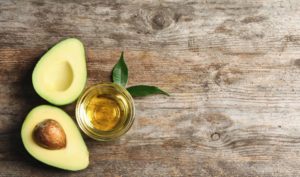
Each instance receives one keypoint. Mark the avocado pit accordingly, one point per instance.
(50, 135)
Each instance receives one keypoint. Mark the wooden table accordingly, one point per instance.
(232, 68)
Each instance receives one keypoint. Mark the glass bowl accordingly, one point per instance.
(105, 111)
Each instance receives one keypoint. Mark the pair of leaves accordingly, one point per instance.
(120, 76)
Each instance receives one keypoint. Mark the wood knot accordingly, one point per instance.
(218, 121)
(228, 76)
(161, 20)
(215, 136)
(158, 21)
(297, 62)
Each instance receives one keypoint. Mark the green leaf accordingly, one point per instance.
(145, 90)
(120, 72)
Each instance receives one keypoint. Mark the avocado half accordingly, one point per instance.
(60, 75)
(73, 156)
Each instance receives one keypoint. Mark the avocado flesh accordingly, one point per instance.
(74, 156)
(60, 75)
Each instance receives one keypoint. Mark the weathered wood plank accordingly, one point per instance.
(231, 67)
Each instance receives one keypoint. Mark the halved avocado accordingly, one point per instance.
(60, 75)
(50, 135)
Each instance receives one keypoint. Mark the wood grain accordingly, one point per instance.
(232, 68)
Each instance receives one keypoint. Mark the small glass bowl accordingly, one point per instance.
(118, 93)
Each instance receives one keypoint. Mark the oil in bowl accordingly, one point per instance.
(105, 111)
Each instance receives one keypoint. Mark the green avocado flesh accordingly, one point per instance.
(74, 156)
(60, 75)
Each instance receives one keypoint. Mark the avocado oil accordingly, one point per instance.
(105, 111)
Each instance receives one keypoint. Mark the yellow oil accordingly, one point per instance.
(104, 112)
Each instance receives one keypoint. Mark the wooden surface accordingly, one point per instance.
(232, 68)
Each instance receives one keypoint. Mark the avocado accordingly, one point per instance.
(50, 135)
(60, 75)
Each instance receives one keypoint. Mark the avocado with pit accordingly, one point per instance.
(50, 135)
(60, 75)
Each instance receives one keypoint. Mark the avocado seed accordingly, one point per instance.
(50, 135)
